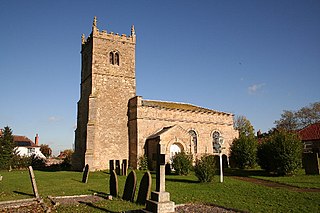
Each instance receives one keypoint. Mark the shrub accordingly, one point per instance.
(38, 162)
(143, 162)
(205, 168)
(244, 151)
(182, 163)
(280, 153)
(21, 162)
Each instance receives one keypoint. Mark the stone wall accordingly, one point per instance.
(151, 120)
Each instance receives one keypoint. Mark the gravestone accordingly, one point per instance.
(33, 182)
(160, 199)
(311, 163)
(113, 184)
(144, 189)
(85, 174)
(111, 165)
(130, 187)
(118, 167)
(124, 167)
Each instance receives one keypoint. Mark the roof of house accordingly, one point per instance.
(179, 106)
(311, 132)
(23, 141)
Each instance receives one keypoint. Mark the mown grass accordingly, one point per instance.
(183, 189)
(299, 179)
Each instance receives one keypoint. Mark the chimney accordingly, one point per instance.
(36, 140)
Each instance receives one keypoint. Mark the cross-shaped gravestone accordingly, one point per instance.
(160, 199)
(85, 174)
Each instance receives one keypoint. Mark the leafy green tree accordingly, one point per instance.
(244, 149)
(46, 150)
(6, 148)
(182, 163)
(280, 153)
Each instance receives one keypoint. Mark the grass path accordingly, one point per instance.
(277, 185)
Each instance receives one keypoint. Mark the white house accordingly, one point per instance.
(25, 147)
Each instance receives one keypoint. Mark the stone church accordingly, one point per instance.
(113, 123)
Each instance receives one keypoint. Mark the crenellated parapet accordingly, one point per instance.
(108, 36)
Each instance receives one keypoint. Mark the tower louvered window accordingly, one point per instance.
(114, 58)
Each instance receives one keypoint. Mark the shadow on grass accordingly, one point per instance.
(23, 193)
(246, 172)
(104, 209)
(77, 180)
(172, 179)
(95, 206)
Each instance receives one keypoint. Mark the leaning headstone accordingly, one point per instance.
(130, 187)
(311, 163)
(113, 183)
(111, 165)
(85, 174)
(124, 167)
(118, 167)
(33, 182)
(144, 189)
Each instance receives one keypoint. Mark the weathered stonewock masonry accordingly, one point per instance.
(115, 124)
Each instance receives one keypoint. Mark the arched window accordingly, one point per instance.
(216, 138)
(111, 58)
(116, 59)
(194, 141)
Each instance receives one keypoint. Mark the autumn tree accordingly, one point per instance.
(6, 148)
(46, 150)
(295, 120)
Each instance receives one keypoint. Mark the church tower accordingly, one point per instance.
(107, 83)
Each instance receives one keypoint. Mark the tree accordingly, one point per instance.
(280, 153)
(288, 121)
(295, 120)
(6, 148)
(46, 150)
(244, 149)
(243, 125)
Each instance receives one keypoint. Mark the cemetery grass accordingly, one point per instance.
(298, 180)
(232, 193)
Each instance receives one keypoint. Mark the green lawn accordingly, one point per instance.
(183, 189)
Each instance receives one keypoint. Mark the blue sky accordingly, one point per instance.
(251, 58)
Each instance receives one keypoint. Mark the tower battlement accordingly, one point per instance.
(109, 36)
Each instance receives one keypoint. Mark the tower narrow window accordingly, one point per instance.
(116, 59)
(194, 141)
(111, 58)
